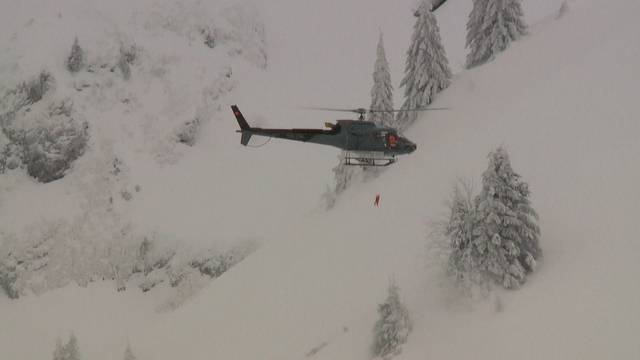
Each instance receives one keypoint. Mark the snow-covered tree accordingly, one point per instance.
(427, 69)
(51, 148)
(494, 236)
(33, 91)
(492, 26)
(459, 232)
(507, 236)
(392, 329)
(9, 274)
(124, 67)
(128, 353)
(343, 175)
(382, 90)
(187, 134)
(69, 351)
(474, 26)
(58, 353)
(128, 54)
(76, 58)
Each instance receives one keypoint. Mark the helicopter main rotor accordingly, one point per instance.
(363, 111)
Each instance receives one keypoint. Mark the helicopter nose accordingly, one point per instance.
(407, 146)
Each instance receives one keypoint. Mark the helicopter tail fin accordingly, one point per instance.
(244, 139)
(244, 126)
(241, 121)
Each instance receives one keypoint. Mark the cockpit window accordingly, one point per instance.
(392, 140)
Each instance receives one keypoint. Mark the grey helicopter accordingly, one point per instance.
(364, 142)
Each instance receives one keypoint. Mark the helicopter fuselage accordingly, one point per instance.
(349, 135)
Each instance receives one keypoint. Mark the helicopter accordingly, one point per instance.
(364, 142)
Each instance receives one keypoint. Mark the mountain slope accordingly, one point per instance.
(561, 101)
(563, 105)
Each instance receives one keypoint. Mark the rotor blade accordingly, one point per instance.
(403, 110)
(357, 111)
(436, 4)
(363, 111)
(326, 109)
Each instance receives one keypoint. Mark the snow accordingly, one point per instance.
(562, 101)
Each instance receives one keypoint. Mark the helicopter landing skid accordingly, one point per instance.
(360, 158)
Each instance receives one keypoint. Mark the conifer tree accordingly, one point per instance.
(69, 351)
(393, 327)
(382, 90)
(427, 69)
(76, 58)
(58, 353)
(128, 354)
(507, 236)
(459, 231)
(492, 26)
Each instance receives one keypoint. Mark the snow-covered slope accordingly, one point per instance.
(562, 102)
(154, 73)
